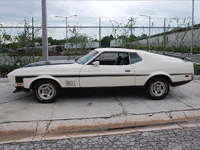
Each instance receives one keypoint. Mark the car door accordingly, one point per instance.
(109, 72)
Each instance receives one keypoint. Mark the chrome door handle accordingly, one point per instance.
(127, 70)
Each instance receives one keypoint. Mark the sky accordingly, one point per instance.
(13, 12)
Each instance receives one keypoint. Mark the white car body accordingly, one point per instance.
(93, 74)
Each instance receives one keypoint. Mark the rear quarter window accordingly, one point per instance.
(135, 58)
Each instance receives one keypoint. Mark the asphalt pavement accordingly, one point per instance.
(87, 110)
(174, 139)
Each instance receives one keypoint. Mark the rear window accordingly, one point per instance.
(135, 58)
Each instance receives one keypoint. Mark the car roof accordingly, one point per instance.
(141, 53)
(122, 50)
(115, 50)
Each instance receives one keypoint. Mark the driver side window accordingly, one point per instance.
(113, 58)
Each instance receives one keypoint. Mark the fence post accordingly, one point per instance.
(44, 32)
(33, 45)
(191, 50)
(99, 32)
(164, 38)
(131, 26)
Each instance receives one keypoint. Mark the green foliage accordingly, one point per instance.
(39, 40)
(125, 33)
(196, 49)
(38, 59)
(16, 58)
(196, 69)
(7, 37)
(24, 38)
(105, 42)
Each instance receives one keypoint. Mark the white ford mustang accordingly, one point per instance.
(106, 67)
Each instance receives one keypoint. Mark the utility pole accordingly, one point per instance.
(99, 32)
(149, 33)
(33, 44)
(131, 26)
(164, 38)
(149, 43)
(44, 32)
(66, 28)
(191, 50)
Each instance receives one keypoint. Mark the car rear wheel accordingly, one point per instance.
(46, 91)
(157, 88)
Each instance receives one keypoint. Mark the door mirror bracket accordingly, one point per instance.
(96, 63)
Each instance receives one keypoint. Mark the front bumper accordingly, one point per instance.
(20, 89)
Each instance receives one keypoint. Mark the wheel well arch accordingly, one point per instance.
(41, 79)
(161, 76)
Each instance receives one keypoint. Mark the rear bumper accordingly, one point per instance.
(180, 83)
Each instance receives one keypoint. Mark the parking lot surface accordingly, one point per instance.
(94, 103)
(96, 109)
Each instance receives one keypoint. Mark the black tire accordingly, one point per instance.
(46, 91)
(157, 88)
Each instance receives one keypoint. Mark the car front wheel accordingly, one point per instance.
(46, 91)
(157, 88)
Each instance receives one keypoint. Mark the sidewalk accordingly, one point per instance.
(197, 77)
(22, 118)
(61, 129)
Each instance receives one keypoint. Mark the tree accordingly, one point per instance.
(39, 40)
(78, 40)
(24, 39)
(50, 40)
(105, 42)
(143, 35)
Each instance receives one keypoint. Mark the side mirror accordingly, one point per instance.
(96, 63)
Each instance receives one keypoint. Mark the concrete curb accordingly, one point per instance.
(196, 78)
(3, 80)
(20, 130)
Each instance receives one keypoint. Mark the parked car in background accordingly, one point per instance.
(104, 67)
(36, 47)
(58, 49)
(7, 49)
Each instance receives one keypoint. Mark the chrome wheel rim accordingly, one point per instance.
(46, 91)
(158, 88)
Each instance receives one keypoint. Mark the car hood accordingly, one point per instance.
(44, 63)
(48, 68)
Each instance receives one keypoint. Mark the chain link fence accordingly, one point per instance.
(20, 45)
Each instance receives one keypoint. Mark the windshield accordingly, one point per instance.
(87, 57)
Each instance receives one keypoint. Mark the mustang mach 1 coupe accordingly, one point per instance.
(104, 67)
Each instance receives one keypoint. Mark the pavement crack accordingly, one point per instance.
(35, 131)
(179, 124)
(171, 118)
(15, 100)
(47, 126)
(120, 103)
(185, 116)
(190, 121)
(183, 102)
(169, 115)
(51, 117)
(36, 127)
(52, 112)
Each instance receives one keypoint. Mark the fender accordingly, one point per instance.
(158, 73)
(28, 81)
